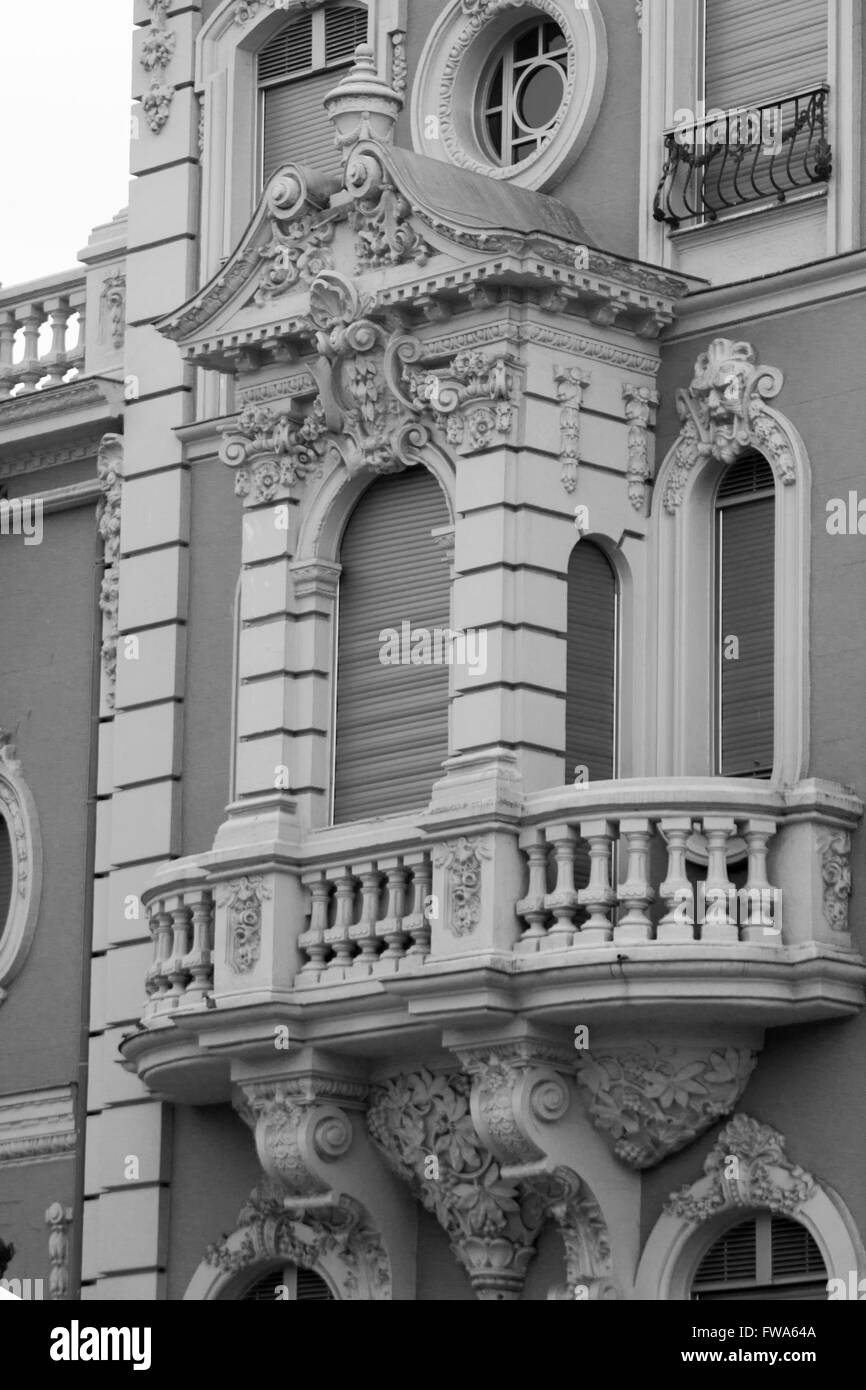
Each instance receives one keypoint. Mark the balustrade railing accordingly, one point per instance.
(181, 921)
(367, 918)
(39, 342)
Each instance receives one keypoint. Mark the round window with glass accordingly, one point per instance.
(524, 92)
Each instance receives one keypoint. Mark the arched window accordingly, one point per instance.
(296, 70)
(745, 616)
(288, 1284)
(768, 1258)
(591, 664)
(7, 870)
(392, 691)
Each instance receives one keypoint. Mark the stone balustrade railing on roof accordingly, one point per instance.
(32, 358)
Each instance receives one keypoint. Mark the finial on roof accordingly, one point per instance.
(363, 106)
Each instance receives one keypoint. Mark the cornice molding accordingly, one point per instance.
(37, 1125)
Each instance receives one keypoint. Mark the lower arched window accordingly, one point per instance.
(392, 671)
(766, 1258)
(290, 1284)
(745, 618)
(591, 665)
(7, 871)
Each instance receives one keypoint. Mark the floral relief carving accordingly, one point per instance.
(301, 235)
(273, 450)
(381, 217)
(746, 1167)
(399, 62)
(457, 397)
(653, 1100)
(639, 404)
(836, 875)
(109, 467)
(462, 861)
(724, 414)
(157, 51)
(244, 897)
(112, 308)
(571, 383)
(58, 1219)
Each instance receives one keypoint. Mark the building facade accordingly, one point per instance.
(432, 763)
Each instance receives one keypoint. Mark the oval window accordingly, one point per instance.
(525, 91)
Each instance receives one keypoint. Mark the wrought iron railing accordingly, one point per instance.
(738, 158)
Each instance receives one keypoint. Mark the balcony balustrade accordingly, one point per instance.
(181, 918)
(42, 333)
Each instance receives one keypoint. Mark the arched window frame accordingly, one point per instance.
(18, 810)
(725, 413)
(226, 81)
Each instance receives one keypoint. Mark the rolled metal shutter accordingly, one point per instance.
(756, 53)
(392, 720)
(7, 873)
(746, 609)
(296, 125)
(591, 660)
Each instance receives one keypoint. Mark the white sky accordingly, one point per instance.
(65, 83)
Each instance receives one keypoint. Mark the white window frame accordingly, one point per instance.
(672, 77)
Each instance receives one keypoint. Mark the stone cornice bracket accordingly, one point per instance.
(724, 413)
(571, 382)
(157, 52)
(109, 467)
(300, 1126)
(516, 1087)
(746, 1167)
(640, 401)
(58, 1219)
(650, 1099)
(471, 400)
(381, 216)
(363, 106)
(301, 231)
(272, 451)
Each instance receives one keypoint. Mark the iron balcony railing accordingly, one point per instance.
(730, 160)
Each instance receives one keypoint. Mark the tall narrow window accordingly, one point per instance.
(745, 614)
(295, 73)
(7, 871)
(765, 1258)
(591, 664)
(391, 710)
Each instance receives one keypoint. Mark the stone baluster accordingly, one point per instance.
(363, 932)
(760, 917)
(30, 369)
(156, 983)
(563, 902)
(338, 935)
(312, 941)
(719, 924)
(391, 929)
(598, 896)
(532, 908)
(199, 960)
(175, 967)
(678, 922)
(55, 364)
(78, 305)
(636, 893)
(417, 924)
(8, 328)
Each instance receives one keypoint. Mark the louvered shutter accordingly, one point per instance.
(758, 52)
(765, 1258)
(312, 1288)
(289, 52)
(746, 609)
(392, 721)
(345, 28)
(309, 1287)
(296, 126)
(590, 702)
(7, 871)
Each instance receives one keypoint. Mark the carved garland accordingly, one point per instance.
(58, 1219)
(747, 1167)
(836, 876)
(244, 897)
(109, 467)
(157, 52)
(639, 404)
(462, 861)
(724, 414)
(112, 305)
(571, 383)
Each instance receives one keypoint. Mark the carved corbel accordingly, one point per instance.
(300, 1126)
(517, 1086)
(381, 217)
(272, 450)
(470, 400)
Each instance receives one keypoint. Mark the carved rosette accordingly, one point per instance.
(746, 1167)
(724, 414)
(639, 404)
(109, 467)
(492, 1223)
(336, 1237)
(58, 1219)
(652, 1099)
(462, 861)
(836, 876)
(571, 383)
(243, 897)
(157, 52)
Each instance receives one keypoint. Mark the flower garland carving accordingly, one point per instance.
(571, 383)
(639, 403)
(462, 861)
(273, 450)
(109, 467)
(244, 897)
(746, 1167)
(157, 52)
(457, 397)
(836, 876)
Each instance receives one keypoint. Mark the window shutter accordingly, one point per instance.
(590, 701)
(766, 1257)
(794, 1252)
(746, 609)
(392, 721)
(345, 28)
(7, 873)
(309, 1287)
(755, 53)
(264, 1290)
(312, 1288)
(290, 51)
(296, 126)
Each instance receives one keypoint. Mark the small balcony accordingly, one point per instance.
(718, 903)
(42, 333)
(745, 160)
